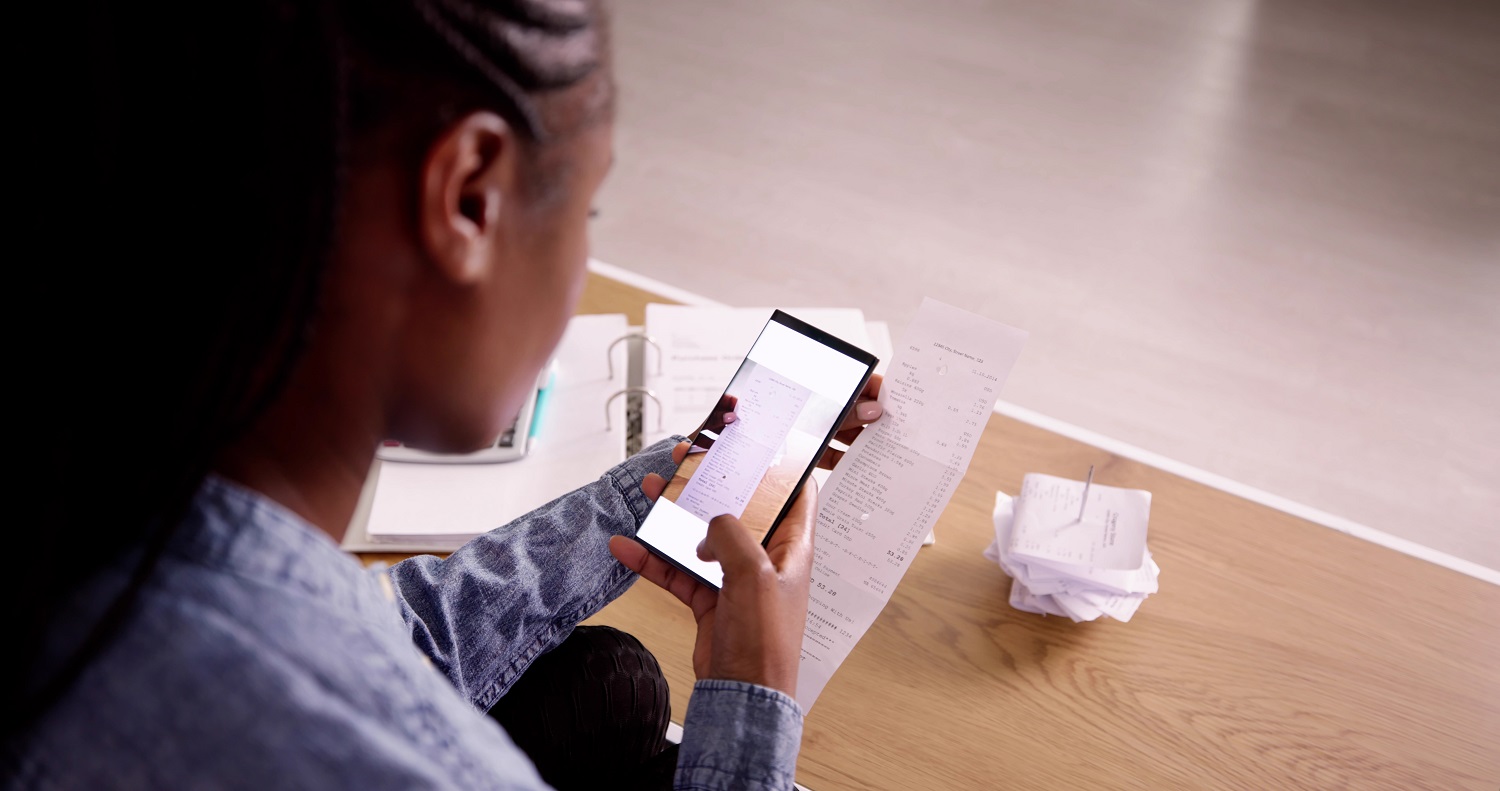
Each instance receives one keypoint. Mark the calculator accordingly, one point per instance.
(513, 443)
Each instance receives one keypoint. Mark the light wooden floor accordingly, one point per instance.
(1260, 238)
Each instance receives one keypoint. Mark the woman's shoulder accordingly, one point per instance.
(205, 692)
(260, 656)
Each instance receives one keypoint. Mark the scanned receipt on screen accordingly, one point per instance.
(897, 478)
(768, 407)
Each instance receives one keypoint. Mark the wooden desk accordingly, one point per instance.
(1279, 654)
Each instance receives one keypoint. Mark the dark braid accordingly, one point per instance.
(241, 116)
(551, 44)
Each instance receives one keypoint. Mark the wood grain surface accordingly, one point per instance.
(1279, 654)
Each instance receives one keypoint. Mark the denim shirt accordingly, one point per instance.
(261, 656)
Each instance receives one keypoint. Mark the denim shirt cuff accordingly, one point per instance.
(628, 475)
(486, 612)
(739, 735)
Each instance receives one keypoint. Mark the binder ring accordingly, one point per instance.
(646, 391)
(609, 353)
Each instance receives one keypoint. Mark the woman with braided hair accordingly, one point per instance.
(287, 231)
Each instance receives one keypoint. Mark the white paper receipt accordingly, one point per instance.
(1111, 535)
(896, 479)
(1071, 559)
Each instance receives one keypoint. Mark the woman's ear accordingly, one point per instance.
(466, 175)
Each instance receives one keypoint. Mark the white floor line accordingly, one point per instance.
(644, 283)
(1125, 449)
(1245, 491)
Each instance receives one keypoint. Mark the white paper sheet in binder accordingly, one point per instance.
(1071, 559)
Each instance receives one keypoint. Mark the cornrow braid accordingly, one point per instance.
(536, 47)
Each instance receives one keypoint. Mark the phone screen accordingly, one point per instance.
(760, 440)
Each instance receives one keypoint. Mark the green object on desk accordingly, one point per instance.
(541, 407)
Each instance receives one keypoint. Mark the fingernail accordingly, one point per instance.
(730, 417)
(869, 410)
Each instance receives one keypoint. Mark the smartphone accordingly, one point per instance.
(761, 440)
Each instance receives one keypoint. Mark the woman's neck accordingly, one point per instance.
(312, 450)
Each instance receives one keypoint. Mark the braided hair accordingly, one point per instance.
(209, 143)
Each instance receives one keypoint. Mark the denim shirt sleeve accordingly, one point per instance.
(740, 736)
(483, 614)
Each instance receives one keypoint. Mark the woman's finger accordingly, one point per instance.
(791, 543)
(830, 458)
(680, 452)
(731, 544)
(864, 412)
(848, 435)
(867, 408)
(653, 485)
(637, 558)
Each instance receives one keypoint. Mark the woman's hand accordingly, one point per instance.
(721, 415)
(751, 629)
(866, 410)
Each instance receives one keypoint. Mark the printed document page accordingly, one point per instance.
(882, 500)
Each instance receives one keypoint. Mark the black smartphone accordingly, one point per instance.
(761, 440)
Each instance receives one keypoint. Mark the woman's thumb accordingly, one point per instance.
(732, 545)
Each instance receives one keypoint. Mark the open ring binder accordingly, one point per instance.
(645, 391)
(639, 335)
